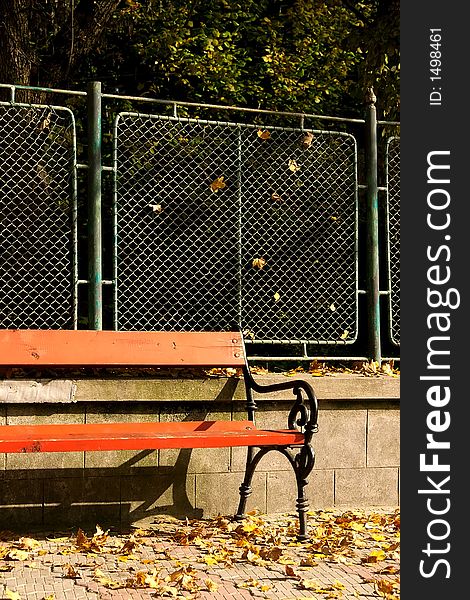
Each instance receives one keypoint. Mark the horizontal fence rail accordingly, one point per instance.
(207, 217)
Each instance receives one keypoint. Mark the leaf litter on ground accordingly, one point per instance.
(352, 537)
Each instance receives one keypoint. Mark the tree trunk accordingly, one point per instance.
(45, 43)
(16, 56)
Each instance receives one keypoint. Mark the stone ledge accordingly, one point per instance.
(335, 387)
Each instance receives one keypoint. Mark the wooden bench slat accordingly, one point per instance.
(140, 436)
(67, 348)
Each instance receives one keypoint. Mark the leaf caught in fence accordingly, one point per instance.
(218, 184)
(156, 207)
(263, 134)
(258, 263)
(293, 166)
(307, 140)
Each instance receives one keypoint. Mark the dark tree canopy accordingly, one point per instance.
(308, 55)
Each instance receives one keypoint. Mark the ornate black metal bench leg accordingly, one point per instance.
(302, 463)
(252, 459)
(302, 508)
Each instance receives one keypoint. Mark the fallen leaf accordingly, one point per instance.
(375, 556)
(275, 196)
(258, 263)
(289, 571)
(344, 335)
(293, 166)
(277, 297)
(156, 207)
(264, 135)
(307, 139)
(218, 184)
(28, 543)
(16, 554)
(211, 585)
(11, 595)
(45, 123)
(70, 572)
(100, 577)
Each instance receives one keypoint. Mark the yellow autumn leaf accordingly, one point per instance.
(28, 543)
(156, 207)
(375, 556)
(276, 197)
(218, 184)
(251, 556)
(168, 589)
(49, 597)
(211, 585)
(311, 584)
(277, 297)
(293, 166)
(11, 595)
(100, 577)
(308, 562)
(285, 560)
(258, 263)
(263, 134)
(338, 585)
(386, 587)
(4, 567)
(344, 335)
(16, 554)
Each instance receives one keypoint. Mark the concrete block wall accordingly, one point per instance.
(357, 450)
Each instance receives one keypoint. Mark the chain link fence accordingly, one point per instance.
(222, 224)
(393, 229)
(37, 217)
(208, 224)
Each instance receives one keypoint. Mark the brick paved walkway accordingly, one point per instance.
(350, 555)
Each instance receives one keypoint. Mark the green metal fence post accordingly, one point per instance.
(95, 295)
(372, 215)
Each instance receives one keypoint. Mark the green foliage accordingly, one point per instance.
(300, 55)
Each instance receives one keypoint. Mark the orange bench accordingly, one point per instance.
(83, 348)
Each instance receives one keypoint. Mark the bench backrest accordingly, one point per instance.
(67, 348)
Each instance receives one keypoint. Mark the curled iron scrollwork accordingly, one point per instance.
(303, 415)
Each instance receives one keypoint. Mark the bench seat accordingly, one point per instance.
(141, 436)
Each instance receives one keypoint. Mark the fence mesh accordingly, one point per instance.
(37, 217)
(393, 208)
(223, 224)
